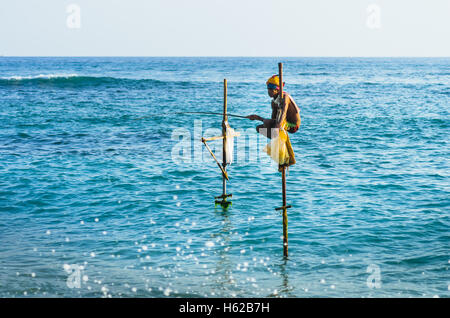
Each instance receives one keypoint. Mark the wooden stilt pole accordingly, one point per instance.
(224, 173)
(285, 220)
(284, 211)
(224, 202)
(283, 176)
(224, 133)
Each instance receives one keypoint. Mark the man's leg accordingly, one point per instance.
(266, 129)
(261, 129)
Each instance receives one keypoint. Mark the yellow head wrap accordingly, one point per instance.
(273, 82)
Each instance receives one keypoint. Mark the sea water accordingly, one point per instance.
(96, 202)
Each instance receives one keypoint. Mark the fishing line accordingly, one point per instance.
(182, 113)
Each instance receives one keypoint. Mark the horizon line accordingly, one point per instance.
(228, 56)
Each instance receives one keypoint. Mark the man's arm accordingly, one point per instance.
(274, 111)
(267, 122)
(273, 117)
(254, 117)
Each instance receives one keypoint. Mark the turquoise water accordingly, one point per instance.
(93, 203)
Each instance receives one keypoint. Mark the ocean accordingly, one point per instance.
(107, 191)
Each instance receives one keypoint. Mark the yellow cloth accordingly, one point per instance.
(274, 81)
(280, 148)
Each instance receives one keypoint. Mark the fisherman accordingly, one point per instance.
(287, 114)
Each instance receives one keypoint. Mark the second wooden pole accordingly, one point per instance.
(224, 133)
(285, 219)
(283, 173)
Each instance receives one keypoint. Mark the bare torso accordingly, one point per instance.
(292, 112)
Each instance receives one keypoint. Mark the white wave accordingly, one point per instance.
(43, 76)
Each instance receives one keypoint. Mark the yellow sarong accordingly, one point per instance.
(280, 148)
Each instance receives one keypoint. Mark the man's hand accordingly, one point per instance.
(269, 122)
(255, 117)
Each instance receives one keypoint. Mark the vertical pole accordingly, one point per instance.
(285, 220)
(280, 75)
(224, 133)
(225, 117)
(224, 202)
(283, 175)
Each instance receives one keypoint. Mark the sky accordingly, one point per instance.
(225, 28)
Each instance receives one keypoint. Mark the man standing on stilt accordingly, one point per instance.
(285, 118)
(289, 113)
